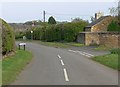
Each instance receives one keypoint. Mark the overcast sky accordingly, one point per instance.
(62, 11)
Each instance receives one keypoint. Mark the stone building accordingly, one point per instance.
(96, 33)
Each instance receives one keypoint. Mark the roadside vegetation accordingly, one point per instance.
(102, 48)
(13, 65)
(110, 60)
(55, 34)
(54, 44)
(61, 44)
(8, 38)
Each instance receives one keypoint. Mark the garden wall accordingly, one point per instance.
(108, 39)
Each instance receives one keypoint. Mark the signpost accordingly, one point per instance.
(22, 44)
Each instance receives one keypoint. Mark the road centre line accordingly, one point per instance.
(59, 56)
(62, 62)
(66, 75)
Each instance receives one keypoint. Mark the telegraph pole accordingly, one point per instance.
(43, 16)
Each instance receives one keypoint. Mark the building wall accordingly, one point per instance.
(102, 26)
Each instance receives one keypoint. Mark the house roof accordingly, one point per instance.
(96, 21)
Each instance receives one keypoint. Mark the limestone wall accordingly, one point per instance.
(111, 40)
(91, 38)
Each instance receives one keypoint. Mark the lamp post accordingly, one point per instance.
(31, 35)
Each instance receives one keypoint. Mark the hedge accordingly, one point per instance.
(58, 32)
(8, 38)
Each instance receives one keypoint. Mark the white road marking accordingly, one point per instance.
(82, 53)
(88, 54)
(62, 62)
(72, 51)
(66, 75)
(59, 56)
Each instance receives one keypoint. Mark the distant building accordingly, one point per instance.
(96, 32)
(99, 25)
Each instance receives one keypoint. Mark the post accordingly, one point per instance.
(43, 16)
(31, 35)
(19, 46)
(24, 47)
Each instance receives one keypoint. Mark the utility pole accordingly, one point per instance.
(43, 16)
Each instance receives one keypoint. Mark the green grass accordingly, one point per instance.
(55, 44)
(75, 44)
(102, 48)
(13, 65)
(110, 60)
(61, 44)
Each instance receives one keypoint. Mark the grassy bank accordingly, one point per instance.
(110, 60)
(13, 65)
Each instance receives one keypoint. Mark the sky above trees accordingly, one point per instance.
(61, 11)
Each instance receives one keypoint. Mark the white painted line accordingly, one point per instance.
(59, 56)
(62, 62)
(72, 51)
(81, 53)
(88, 54)
(66, 75)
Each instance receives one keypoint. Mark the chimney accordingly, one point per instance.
(98, 15)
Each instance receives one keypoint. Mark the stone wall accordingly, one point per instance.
(91, 38)
(111, 40)
(108, 39)
(102, 26)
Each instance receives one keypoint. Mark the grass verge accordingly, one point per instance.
(13, 65)
(110, 60)
(102, 48)
(55, 44)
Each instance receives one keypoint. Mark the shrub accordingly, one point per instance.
(114, 26)
(8, 38)
(19, 35)
(58, 32)
(115, 51)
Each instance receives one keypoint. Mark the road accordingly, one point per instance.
(55, 66)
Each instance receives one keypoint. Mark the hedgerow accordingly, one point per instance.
(8, 38)
(58, 32)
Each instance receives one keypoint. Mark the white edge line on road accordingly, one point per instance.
(59, 56)
(72, 51)
(82, 53)
(62, 62)
(66, 75)
(88, 54)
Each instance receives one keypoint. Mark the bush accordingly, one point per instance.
(19, 35)
(115, 51)
(114, 26)
(58, 32)
(8, 38)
